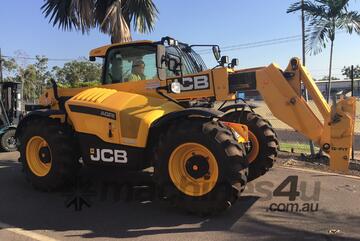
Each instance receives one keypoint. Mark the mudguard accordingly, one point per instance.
(203, 112)
(43, 113)
(237, 106)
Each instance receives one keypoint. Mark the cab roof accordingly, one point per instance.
(101, 51)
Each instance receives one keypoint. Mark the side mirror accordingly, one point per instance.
(216, 52)
(174, 64)
(92, 58)
(161, 62)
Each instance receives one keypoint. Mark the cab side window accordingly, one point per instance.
(129, 64)
(187, 68)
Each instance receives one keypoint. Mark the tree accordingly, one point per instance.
(33, 76)
(77, 74)
(347, 71)
(41, 66)
(113, 17)
(30, 83)
(36, 76)
(324, 18)
(10, 67)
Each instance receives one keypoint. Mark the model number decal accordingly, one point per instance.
(200, 82)
(108, 114)
(108, 155)
(93, 111)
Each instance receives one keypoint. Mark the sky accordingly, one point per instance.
(24, 28)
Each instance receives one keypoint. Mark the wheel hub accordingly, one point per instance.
(44, 155)
(193, 169)
(197, 166)
(38, 156)
(11, 141)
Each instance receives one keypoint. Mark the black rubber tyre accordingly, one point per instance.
(8, 141)
(230, 159)
(64, 154)
(266, 137)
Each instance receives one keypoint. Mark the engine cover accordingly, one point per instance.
(116, 117)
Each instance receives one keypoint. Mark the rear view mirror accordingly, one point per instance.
(216, 52)
(174, 64)
(161, 62)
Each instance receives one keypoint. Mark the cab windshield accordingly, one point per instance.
(138, 62)
(130, 64)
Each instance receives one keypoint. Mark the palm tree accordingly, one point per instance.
(324, 18)
(113, 17)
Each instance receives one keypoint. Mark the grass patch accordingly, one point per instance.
(296, 147)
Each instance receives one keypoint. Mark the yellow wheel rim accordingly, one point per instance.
(36, 149)
(255, 147)
(193, 169)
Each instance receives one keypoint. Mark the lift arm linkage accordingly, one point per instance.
(282, 93)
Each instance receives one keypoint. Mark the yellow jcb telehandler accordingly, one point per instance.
(141, 116)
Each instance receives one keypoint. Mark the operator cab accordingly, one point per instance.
(139, 60)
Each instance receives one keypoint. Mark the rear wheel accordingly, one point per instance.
(48, 154)
(263, 141)
(8, 140)
(199, 166)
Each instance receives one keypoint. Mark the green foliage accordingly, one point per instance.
(114, 17)
(9, 68)
(32, 76)
(79, 84)
(36, 77)
(347, 71)
(32, 86)
(324, 17)
(77, 74)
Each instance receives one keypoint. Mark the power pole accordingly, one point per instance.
(311, 144)
(1, 74)
(352, 94)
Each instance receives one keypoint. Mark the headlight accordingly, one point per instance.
(175, 87)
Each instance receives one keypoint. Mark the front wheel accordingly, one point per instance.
(48, 154)
(200, 166)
